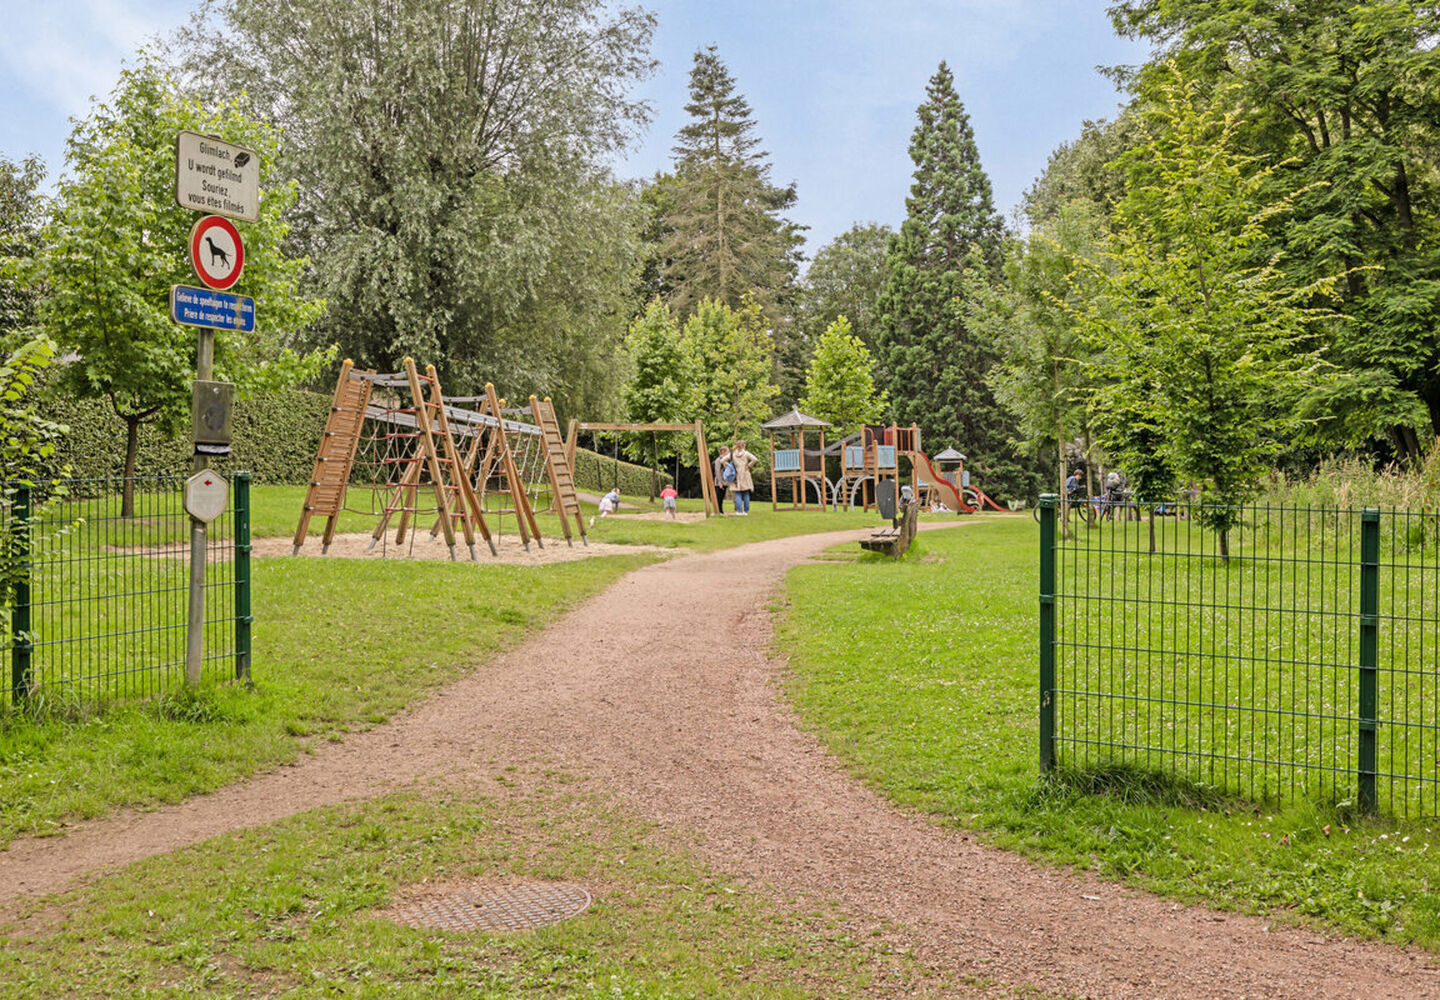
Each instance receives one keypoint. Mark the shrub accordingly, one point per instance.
(275, 439)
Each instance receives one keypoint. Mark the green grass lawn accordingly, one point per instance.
(922, 674)
(276, 513)
(294, 909)
(291, 908)
(338, 645)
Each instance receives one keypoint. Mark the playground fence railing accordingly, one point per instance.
(96, 606)
(1301, 661)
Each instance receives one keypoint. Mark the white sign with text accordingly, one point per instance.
(216, 177)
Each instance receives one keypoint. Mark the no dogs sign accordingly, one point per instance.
(216, 252)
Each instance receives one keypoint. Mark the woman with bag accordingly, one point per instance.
(718, 467)
(744, 483)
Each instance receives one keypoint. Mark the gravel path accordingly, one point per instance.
(633, 690)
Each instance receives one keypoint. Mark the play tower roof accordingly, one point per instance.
(794, 420)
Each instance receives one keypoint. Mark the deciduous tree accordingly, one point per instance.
(846, 278)
(118, 241)
(22, 212)
(1203, 345)
(1347, 95)
(730, 354)
(1044, 376)
(840, 385)
(662, 390)
(453, 157)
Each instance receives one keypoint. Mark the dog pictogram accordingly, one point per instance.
(217, 253)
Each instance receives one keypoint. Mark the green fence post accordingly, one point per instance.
(1369, 654)
(20, 623)
(1048, 504)
(243, 618)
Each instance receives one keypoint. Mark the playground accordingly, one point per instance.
(395, 449)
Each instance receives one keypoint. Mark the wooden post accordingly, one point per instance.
(574, 429)
(774, 476)
(470, 514)
(707, 471)
(823, 507)
(432, 457)
(799, 438)
(524, 516)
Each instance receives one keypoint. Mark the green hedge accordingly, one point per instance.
(275, 439)
(596, 474)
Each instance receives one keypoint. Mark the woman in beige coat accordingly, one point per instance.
(744, 482)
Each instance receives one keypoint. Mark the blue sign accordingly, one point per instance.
(216, 310)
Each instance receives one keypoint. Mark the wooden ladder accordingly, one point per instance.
(336, 455)
(557, 464)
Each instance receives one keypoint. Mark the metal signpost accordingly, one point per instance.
(222, 179)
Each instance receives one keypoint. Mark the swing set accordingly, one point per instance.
(702, 451)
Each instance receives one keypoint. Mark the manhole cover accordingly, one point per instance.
(501, 908)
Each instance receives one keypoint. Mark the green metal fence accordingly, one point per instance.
(97, 609)
(1306, 665)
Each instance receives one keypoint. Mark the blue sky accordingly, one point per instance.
(833, 83)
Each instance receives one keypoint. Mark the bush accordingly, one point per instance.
(276, 438)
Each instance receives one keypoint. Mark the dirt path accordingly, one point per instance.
(629, 692)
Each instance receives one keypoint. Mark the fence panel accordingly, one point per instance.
(1303, 665)
(101, 614)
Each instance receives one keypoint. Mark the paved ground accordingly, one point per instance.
(660, 691)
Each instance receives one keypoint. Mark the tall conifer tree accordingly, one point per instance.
(934, 365)
(725, 232)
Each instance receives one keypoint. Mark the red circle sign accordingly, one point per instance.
(216, 252)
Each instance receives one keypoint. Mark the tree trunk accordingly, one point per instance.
(1430, 392)
(132, 449)
(1408, 444)
(1224, 539)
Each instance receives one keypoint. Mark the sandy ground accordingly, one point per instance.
(508, 548)
(627, 693)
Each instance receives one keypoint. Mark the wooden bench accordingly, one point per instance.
(892, 540)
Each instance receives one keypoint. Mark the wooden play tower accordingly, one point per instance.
(794, 464)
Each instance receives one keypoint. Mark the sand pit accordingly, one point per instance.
(510, 551)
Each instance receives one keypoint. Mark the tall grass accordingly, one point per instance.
(1354, 483)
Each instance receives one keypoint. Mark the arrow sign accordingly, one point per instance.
(207, 494)
(216, 252)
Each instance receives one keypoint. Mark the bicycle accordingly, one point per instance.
(1078, 508)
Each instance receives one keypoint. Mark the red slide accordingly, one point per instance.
(985, 499)
(940, 483)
